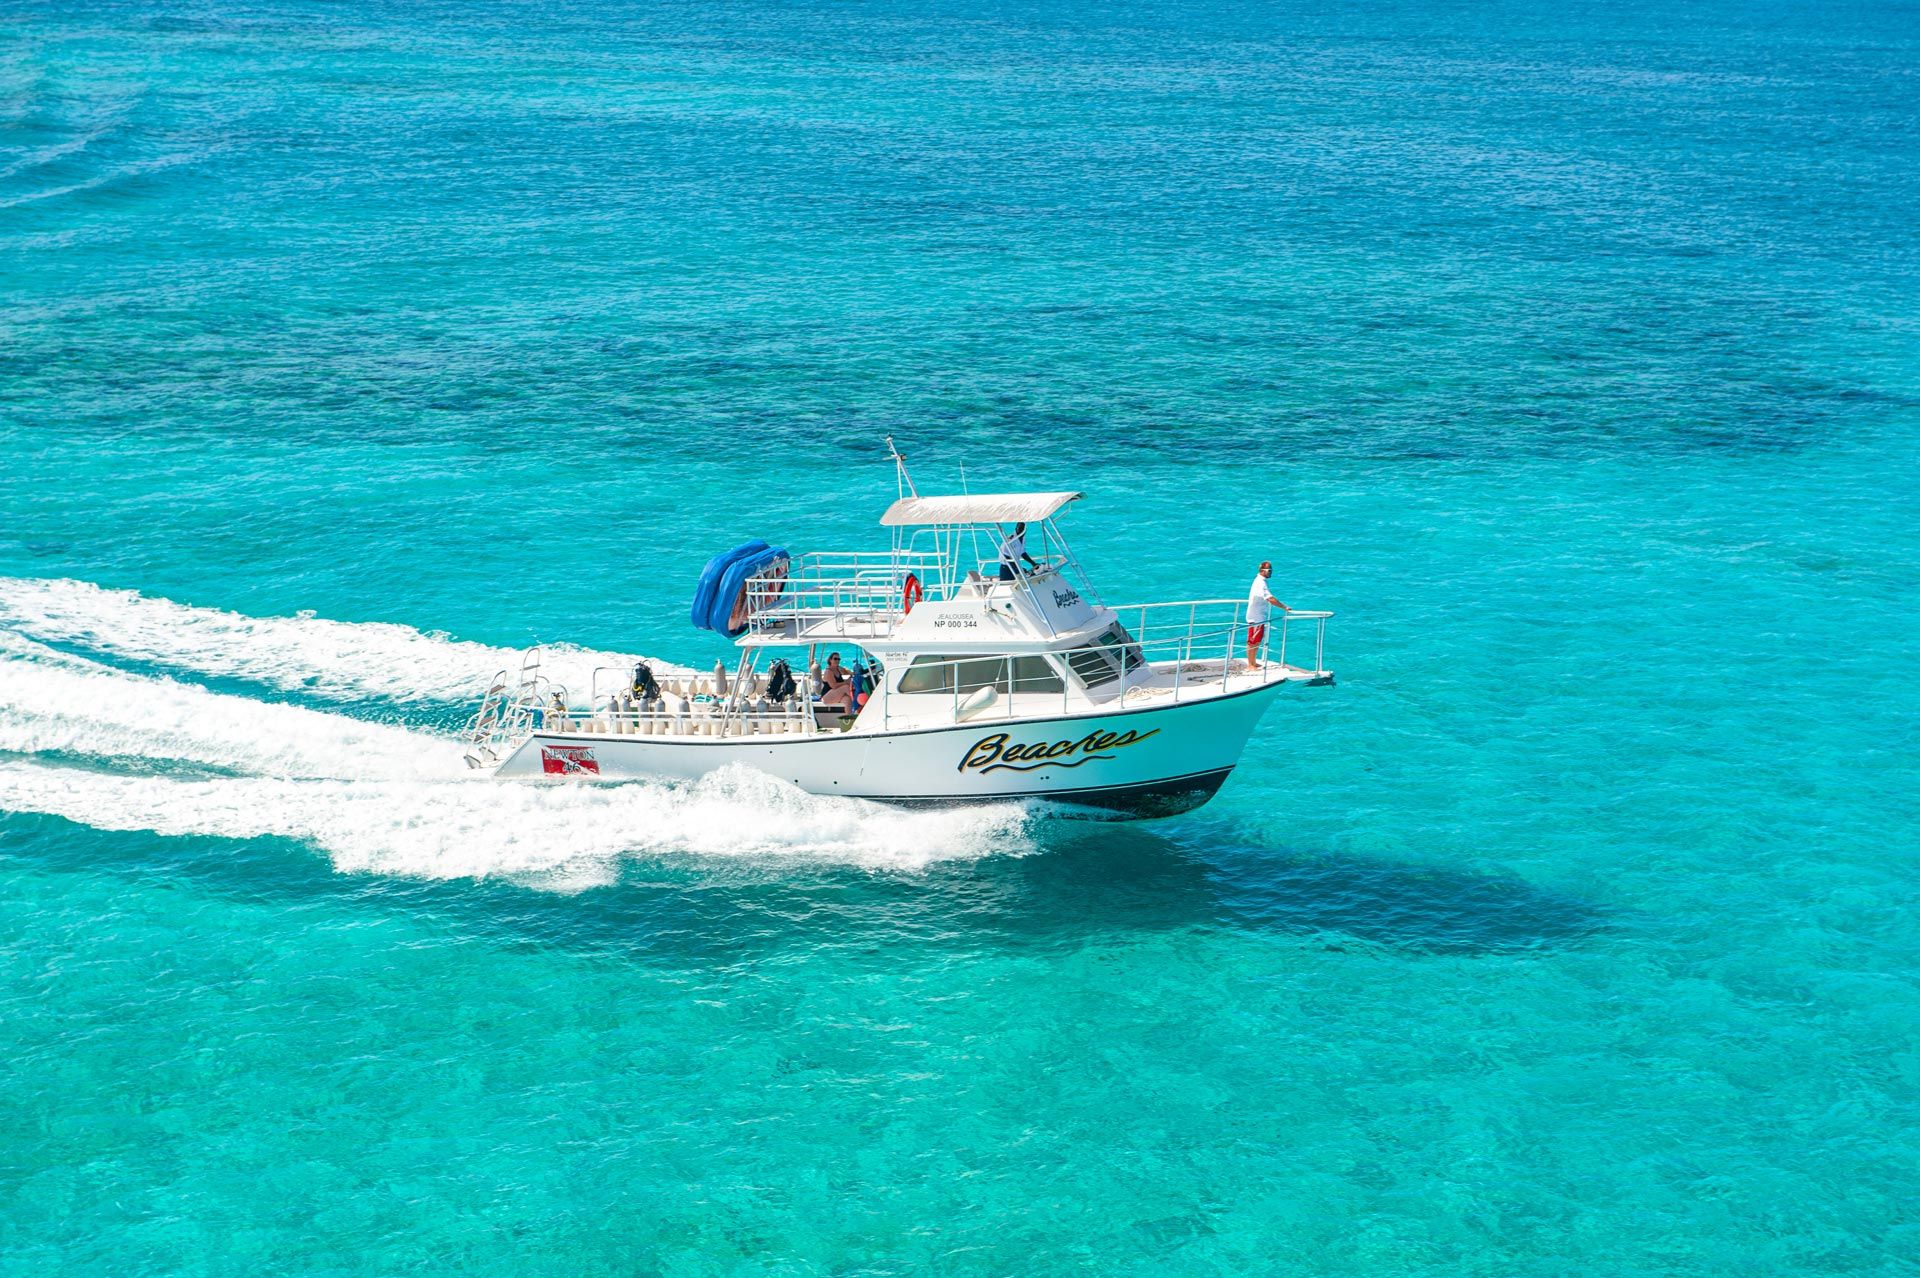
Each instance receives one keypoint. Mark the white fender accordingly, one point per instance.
(977, 700)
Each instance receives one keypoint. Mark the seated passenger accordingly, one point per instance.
(836, 684)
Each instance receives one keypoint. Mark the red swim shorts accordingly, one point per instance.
(1256, 635)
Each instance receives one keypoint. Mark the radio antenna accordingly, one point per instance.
(903, 481)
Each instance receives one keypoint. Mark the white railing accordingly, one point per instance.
(989, 569)
(1204, 617)
(689, 718)
(510, 709)
(690, 704)
(828, 593)
(1182, 651)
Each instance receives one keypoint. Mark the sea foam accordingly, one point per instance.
(392, 799)
(336, 659)
(55, 702)
(567, 836)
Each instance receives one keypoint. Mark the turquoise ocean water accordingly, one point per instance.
(1572, 357)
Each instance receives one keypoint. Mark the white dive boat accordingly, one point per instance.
(977, 688)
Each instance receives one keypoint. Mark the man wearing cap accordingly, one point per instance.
(1260, 602)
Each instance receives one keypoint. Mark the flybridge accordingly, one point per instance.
(946, 551)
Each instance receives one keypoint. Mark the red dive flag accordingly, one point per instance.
(564, 759)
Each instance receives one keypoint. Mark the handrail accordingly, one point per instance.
(1041, 565)
(508, 710)
(687, 719)
(844, 586)
(1188, 655)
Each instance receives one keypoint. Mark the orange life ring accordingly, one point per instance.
(911, 595)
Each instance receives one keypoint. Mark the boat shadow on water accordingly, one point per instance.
(1090, 883)
(1200, 874)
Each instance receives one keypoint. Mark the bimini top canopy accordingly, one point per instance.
(981, 508)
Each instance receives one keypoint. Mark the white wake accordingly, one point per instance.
(120, 751)
(303, 653)
(52, 702)
(567, 836)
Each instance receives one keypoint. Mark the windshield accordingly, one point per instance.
(1105, 659)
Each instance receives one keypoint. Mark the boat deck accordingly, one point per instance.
(691, 707)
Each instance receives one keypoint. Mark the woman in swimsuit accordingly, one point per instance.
(837, 682)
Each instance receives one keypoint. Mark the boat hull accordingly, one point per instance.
(1145, 761)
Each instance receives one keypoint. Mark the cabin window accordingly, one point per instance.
(969, 674)
(1121, 645)
(1036, 674)
(1090, 666)
(1102, 661)
(928, 674)
(942, 674)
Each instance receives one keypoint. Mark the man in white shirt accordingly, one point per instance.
(1013, 548)
(1260, 601)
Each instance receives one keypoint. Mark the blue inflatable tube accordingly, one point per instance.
(703, 594)
(727, 600)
